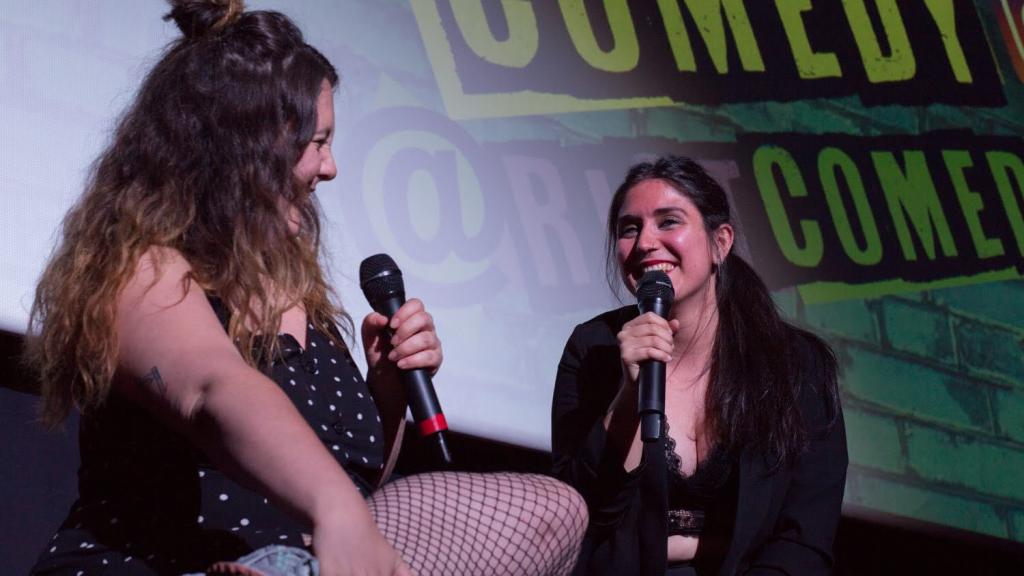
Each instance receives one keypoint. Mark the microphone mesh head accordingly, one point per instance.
(655, 285)
(380, 278)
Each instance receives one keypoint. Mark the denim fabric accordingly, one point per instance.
(280, 561)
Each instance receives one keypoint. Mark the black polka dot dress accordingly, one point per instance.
(149, 503)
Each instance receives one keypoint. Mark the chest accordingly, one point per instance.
(293, 322)
(687, 425)
(325, 386)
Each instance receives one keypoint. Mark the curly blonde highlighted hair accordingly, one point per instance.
(198, 163)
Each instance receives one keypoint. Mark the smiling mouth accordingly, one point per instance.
(661, 266)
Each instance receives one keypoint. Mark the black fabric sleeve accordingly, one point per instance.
(583, 388)
(801, 542)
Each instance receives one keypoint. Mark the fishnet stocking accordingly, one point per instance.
(482, 524)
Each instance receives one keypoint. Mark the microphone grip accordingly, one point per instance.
(419, 391)
(423, 403)
(651, 401)
(426, 411)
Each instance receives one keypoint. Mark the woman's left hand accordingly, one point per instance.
(408, 341)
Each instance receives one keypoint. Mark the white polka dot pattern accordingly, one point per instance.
(322, 382)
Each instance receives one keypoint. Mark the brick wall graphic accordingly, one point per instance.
(933, 391)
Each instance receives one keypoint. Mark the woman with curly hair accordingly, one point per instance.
(186, 315)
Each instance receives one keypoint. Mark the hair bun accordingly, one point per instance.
(197, 18)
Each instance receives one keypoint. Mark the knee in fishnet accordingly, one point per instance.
(466, 523)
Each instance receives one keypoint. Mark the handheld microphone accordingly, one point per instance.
(653, 294)
(382, 284)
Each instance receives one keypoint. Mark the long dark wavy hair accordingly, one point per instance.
(754, 388)
(199, 163)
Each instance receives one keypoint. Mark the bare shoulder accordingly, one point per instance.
(170, 345)
(162, 314)
(159, 273)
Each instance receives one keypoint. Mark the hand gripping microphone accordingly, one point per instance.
(653, 294)
(381, 281)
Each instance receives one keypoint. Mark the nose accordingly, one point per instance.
(646, 239)
(328, 169)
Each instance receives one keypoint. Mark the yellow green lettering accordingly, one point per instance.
(1004, 166)
(830, 162)
(625, 54)
(910, 192)
(708, 17)
(945, 20)
(970, 202)
(900, 63)
(766, 160)
(517, 50)
(809, 64)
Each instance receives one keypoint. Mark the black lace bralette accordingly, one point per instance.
(690, 496)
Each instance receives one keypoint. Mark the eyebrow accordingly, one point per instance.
(657, 212)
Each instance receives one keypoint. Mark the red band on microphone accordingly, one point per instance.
(435, 423)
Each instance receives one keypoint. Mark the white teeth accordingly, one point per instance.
(664, 267)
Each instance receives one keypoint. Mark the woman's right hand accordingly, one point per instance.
(346, 549)
(646, 337)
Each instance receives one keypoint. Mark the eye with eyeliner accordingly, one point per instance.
(628, 230)
(669, 222)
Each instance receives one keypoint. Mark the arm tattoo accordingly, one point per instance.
(154, 379)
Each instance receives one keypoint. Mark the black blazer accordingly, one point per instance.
(784, 521)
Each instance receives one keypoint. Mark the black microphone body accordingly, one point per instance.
(382, 284)
(654, 294)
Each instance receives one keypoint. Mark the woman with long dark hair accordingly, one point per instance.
(186, 315)
(748, 473)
